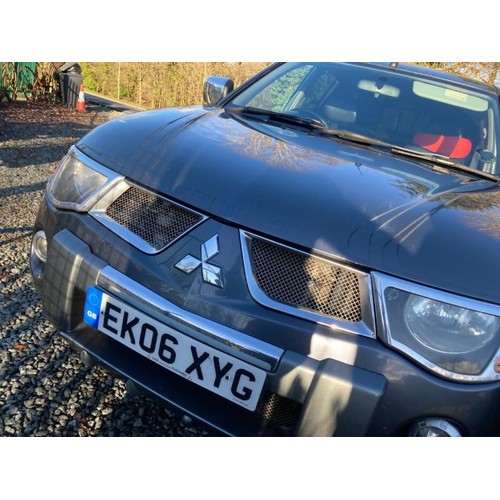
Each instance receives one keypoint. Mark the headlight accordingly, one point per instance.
(456, 337)
(446, 328)
(79, 182)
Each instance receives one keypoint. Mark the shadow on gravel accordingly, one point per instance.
(23, 230)
(19, 131)
(17, 295)
(32, 156)
(28, 188)
(33, 134)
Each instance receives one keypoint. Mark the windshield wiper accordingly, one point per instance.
(318, 128)
(443, 160)
(400, 150)
(266, 115)
(353, 137)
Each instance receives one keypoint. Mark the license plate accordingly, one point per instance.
(214, 370)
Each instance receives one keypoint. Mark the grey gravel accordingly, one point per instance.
(45, 390)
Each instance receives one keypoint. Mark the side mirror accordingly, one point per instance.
(215, 88)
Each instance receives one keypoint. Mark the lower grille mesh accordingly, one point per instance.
(278, 411)
(154, 219)
(305, 281)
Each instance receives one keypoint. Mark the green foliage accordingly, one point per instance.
(276, 96)
(90, 77)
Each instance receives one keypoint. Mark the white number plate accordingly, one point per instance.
(214, 370)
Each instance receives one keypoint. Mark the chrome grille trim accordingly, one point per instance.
(147, 232)
(365, 322)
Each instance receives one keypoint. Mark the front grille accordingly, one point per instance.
(150, 217)
(304, 281)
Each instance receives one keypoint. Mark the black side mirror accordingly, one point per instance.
(215, 88)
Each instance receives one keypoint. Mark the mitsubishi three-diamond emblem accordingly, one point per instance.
(211, 274)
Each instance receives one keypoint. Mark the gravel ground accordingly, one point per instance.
(45, 390)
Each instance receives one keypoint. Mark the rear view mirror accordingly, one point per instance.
(378, 88)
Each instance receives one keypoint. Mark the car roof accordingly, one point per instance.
(440, 75)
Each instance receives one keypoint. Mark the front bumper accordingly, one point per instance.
(379, 392)
(304, 396)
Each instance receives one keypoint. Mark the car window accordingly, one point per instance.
(404, 109)
(276, 95)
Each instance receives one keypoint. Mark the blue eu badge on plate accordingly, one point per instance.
(92, 307)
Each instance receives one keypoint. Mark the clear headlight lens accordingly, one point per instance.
(456, 337)
(75, 185)
(448, 328)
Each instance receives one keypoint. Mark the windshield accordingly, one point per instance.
(408, 111)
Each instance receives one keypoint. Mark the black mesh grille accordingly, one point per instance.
(278, 411)
(305, 281)
(155, 220)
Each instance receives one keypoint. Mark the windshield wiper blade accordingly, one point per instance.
(443, 160)
(353, 137)
(319, 128)
(275, 116)
(395, 149)
(421, 155)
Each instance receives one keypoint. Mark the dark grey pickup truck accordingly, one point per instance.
(313, 253)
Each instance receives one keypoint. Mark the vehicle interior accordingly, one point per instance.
(405, 110)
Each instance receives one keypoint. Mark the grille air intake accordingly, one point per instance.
(153, 219)
(305, 281)
(279, 414)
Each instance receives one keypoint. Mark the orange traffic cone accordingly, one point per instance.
(80, 105)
